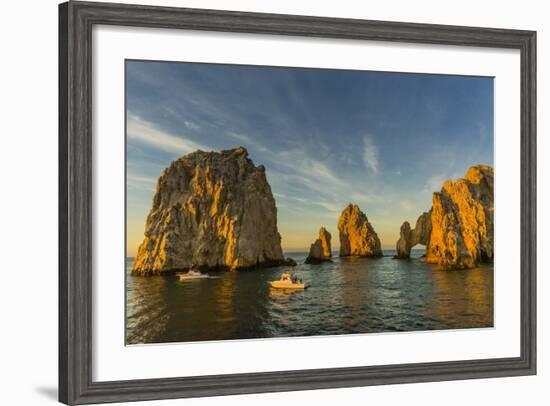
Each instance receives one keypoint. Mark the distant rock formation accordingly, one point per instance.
(408, 237)
(458, 230)
(357, 236)
(211, 210)
(320, 250)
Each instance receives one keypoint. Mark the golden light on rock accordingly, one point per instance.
(210, 210)
(458, 229)
(357, 236)
(321, 249)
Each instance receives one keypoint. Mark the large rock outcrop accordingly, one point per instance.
(320, 250)
(211, 210)
(357, 236)
(461, 223)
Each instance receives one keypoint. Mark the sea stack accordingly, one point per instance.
(211, 210)
(357, 236)
(320, 250)
(458, 230)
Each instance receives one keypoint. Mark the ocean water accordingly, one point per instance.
(347, 296)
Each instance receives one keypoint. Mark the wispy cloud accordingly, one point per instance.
(332, 207)
(310, 168)
(407, 205)
(248, 142)
(144, 183)
(147, 133)
(371, 199)
(283, 196)
(316, 179)
(142, 179)
(434, 183)
(334, 153)
(305, 183)
(370, 154)
(361, 197)
(191, 125)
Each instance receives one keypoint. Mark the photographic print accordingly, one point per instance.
(269, 202)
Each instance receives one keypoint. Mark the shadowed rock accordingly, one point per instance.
(320, 250)
(211, 210)
(357, 236)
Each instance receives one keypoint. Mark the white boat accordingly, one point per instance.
(192, 275)
(288, 281)
(286, 284)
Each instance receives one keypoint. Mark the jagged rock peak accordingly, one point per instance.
(357, 236)
(405, 243)
(210, 210)
(321, 249)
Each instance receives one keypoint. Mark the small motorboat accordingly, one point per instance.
(288, 281)
(192, 275)
(287, 285)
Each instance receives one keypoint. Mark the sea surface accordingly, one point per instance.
(347, 296)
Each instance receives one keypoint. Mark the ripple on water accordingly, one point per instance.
(349, 295)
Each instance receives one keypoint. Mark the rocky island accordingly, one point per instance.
(357, 236)
(211, 210)
(321, 250)
(458, 229)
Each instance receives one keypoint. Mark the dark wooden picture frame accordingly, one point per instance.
(76, 20)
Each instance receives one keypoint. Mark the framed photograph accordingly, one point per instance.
(259, 203)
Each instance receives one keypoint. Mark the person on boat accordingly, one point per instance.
(285, 276)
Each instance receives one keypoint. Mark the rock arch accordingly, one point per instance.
(420, 234)
(458, 229)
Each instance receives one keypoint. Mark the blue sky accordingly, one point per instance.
(384, 141)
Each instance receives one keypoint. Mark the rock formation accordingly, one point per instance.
(357, 236)
(320, 250)
(211, 210)
(408, 237)
(458, 230)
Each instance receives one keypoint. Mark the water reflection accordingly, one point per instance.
(349, 295)
(465, 298)
(147, 312)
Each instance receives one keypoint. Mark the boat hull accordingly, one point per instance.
(188, 278)
(287, 285)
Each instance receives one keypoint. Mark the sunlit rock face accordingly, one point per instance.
(321, 249)
(408, 237)
(357, 236)
(462, 221)
(211, 210)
